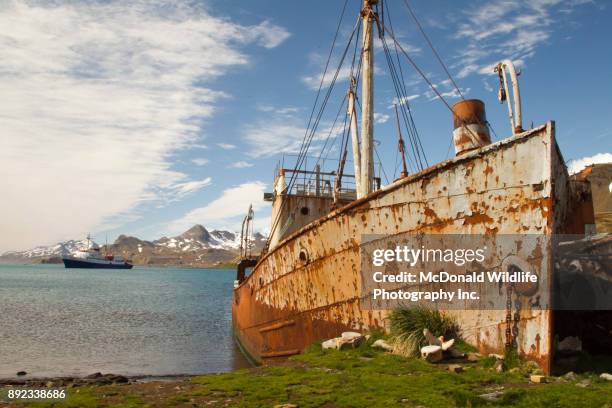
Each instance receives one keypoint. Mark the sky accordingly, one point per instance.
(147, 117)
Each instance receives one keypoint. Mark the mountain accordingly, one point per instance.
(40, 253)
(196, 247)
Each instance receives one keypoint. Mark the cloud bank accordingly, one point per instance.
(97, 97)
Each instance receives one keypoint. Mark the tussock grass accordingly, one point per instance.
(407, 324)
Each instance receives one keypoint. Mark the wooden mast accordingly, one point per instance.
(367, 100)
(355, 139)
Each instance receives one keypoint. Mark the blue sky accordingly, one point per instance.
(146, 118)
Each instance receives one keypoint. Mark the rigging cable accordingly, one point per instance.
(431, 85)
(404, 100)
(310, 131)
(414, 17)
(416, 20)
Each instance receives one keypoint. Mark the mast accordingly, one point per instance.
(367, 99)
(355, 139)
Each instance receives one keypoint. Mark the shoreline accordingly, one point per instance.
(225, 266)
(359, 377)
(97, 379)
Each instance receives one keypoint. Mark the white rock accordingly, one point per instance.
(380, 343)
(431, 353)
(330, 344)
(606, 376)
(497, 356)
(448, 344)
(350, 335)
(537, 379)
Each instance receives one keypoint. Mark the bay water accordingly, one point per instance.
(144, 321)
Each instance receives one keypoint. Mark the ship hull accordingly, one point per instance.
(516, 186)
(83, 264)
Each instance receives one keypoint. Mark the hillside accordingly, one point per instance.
(196, 247)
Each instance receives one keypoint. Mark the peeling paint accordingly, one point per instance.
(503, 188)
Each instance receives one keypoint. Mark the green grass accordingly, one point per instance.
(407, 324)
(363, 377)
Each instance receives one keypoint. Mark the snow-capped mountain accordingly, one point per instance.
(57, 250)
(195, 247)
(198, 237)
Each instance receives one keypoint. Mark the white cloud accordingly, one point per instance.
(271, 137)
(451, 94)
(200, 161)
(97, 97)
(506, 29)
(577, 165)
(313, 81)
(225, 211)
(381, 117)
(240, 165)
(289, 110)
(226, 146)
(189, 187)
(403, 100)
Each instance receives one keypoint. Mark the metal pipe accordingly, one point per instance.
(516, 120)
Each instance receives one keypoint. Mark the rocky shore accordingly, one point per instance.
(95, 379)
(361, 376)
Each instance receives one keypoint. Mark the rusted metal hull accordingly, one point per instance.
(516, 186)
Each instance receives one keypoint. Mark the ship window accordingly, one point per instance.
(305, 210)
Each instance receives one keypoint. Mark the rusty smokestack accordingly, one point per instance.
(470, 126)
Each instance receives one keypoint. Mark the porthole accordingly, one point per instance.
(305, 210)
(303, 256)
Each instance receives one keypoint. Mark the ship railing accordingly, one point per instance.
(317, 183)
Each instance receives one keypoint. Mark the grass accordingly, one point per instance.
(407, 325)
(363, 377)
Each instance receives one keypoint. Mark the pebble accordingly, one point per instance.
(455, 368)
(380, 343)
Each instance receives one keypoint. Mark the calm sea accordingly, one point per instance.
(144, 321)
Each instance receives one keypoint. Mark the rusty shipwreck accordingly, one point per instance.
(306, 285)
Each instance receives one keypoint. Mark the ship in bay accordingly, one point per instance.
(306, 285)
(91, 257)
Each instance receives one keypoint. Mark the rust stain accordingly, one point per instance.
(322, 298)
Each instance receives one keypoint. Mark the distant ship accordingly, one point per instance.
(91, 257)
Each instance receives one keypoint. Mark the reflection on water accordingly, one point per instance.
(153, 321)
